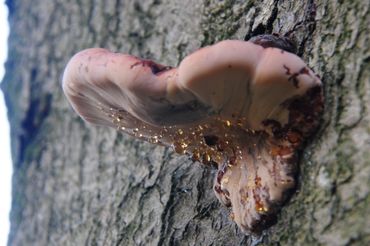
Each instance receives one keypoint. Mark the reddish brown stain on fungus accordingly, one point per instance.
(156, 68)
(265, 104)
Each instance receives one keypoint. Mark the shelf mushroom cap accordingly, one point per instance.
(236, 104)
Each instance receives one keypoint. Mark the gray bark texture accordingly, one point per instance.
(78, 184)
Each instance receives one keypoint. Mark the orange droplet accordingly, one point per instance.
(293, 137)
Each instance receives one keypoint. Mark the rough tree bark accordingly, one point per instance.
(76, 184)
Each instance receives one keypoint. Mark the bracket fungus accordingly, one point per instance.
(243, 107)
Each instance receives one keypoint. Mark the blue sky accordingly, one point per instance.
(5, 159)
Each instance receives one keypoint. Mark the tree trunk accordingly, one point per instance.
(77, 184)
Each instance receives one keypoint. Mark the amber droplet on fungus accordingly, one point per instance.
(265, 104)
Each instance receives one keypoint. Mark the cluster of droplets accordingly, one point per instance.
(225, 143)
(211, 142)
(125, 122)
(215, 142)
